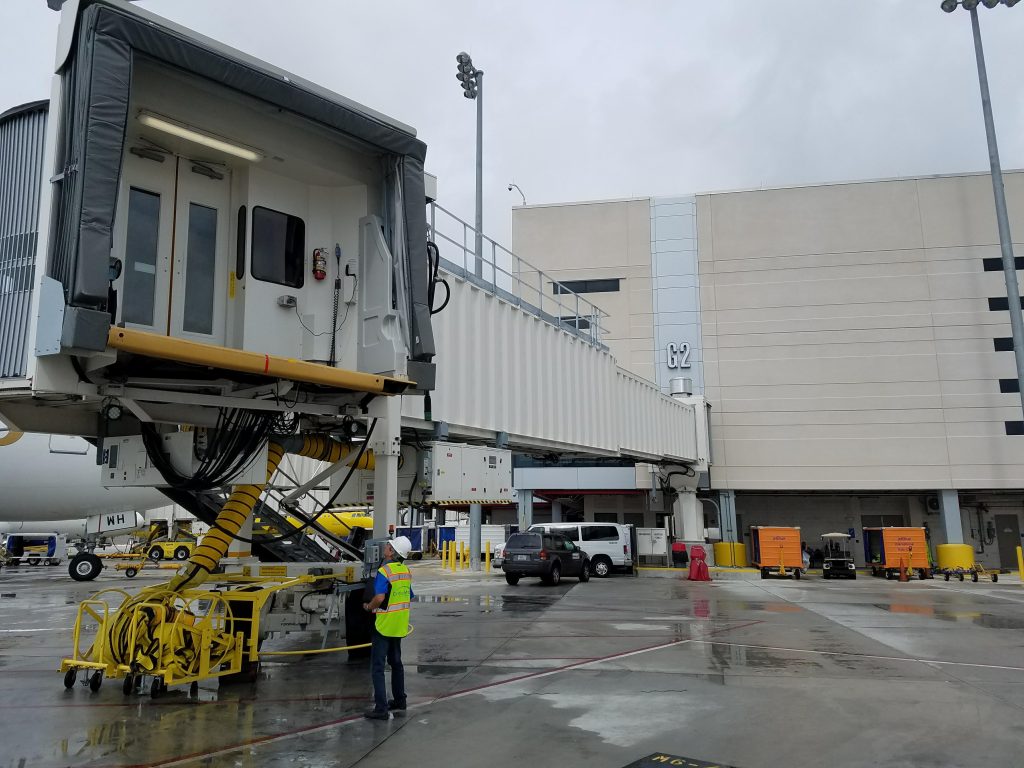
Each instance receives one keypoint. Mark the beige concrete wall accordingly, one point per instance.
(592, 241)
(847, 336)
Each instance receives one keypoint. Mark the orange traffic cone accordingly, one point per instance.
(903, 572)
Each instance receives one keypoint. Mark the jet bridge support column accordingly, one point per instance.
(387, 447)
(949, 503)
(556, 511)
(525, 511)
(475, 516)
(688, 516)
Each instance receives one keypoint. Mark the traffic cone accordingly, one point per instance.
(903, 571)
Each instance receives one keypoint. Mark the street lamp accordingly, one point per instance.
(1005, 241)
(515, 186)
(472, 80)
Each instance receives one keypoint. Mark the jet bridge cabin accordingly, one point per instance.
(216, 228)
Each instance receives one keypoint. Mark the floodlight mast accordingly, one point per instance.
(1002, 219)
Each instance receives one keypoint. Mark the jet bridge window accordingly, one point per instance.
(278, 247)
(141, 256)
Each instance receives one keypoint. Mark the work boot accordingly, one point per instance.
(395, 706)
(373, 714)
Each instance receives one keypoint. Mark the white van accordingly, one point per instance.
(607, 544)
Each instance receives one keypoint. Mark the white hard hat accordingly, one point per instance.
(402, 546)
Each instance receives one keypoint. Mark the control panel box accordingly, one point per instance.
(468, 473)
(126, 463)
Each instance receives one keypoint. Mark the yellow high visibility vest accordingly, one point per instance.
(393, 621)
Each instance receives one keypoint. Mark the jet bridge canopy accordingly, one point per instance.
(203, 197)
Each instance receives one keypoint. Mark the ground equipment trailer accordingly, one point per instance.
(890, 552)
(776, 551)
(36, 548)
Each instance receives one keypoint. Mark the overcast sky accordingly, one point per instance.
(595, 99)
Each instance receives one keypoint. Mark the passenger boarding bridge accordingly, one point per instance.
(167, 257)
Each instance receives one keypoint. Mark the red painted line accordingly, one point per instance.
(256, 741)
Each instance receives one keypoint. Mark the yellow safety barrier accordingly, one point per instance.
(954, 556)
(730, 554)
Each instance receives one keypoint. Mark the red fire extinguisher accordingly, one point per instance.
(319, 263)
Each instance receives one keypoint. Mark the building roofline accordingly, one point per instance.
(962, 174)
(31, 106)
(879, 180)
(643, 198)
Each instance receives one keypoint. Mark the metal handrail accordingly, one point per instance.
(520, 283)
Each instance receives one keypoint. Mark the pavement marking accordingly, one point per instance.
(312, 729)
(861, 655)
(36, 629)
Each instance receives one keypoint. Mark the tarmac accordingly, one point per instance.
(738, 672)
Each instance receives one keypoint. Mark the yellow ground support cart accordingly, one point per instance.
(176, 638)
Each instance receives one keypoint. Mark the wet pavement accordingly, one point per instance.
(743, 673)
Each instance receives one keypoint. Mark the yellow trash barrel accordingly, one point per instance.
(951, 556)
(731, 553)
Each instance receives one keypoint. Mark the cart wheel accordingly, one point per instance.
(128, 685)
(974, 577)
(961, 576)
(131, 573)
(947, 577)
(69, 678)
(193, 690)
(181, 553)
(95, 681)
(156, 688)
(922, 574)
(796, 574)
(888, 575)
(995, 577)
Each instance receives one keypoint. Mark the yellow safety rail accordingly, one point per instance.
(275, 367)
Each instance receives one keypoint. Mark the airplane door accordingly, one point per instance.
(198, 282)
(143, 233)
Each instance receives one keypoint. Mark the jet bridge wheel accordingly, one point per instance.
(85, 567)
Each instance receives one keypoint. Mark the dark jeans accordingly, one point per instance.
(386, 649)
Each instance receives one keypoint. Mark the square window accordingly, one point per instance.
(278, 247)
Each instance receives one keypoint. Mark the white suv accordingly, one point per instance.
(607, 544)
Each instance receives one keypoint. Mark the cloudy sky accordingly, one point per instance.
(593, 99)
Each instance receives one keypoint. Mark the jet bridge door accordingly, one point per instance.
(172, 239)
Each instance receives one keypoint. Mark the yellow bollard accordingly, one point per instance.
(452, 556)
(465, 555)
(487, 557)
(1020, 564)
(444, 554)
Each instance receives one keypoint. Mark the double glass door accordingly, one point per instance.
(172, 239)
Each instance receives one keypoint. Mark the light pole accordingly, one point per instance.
(515, 186)
(472, 80)
(1002, 220)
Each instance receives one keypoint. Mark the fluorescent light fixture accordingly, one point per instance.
(174, 128)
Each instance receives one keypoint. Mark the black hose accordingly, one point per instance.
(308, 521)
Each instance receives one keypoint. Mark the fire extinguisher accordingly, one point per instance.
(319, 263)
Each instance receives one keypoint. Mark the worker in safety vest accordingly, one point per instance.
(390, 604)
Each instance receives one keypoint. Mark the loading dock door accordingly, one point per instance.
(1008, 536)
(172, 238)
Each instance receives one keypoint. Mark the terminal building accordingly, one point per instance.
(852, 341)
